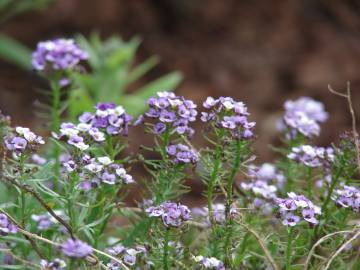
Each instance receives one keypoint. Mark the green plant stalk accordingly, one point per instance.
(324, 207)
(229, 201)
(309, 183)
(213, 177)
(166, 250)
(55, 126)
(70, 203)
(288, 249)
(23, 194)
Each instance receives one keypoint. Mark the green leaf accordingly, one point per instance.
(79, 102)
(142, 69)
(14, 52)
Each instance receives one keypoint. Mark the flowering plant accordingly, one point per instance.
(65, 203)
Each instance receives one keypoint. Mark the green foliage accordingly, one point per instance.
(112, 71)
(14, 52)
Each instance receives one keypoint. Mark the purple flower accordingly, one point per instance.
(347, 197)
(181, 153)
(174, 111)
(56, 264)
(58, 54)
(312, 156)
(6, 226)
(290, 220)
(159, 128)
(86, 117)
(294, 207)
(230, 115)
(303, 116)
(76, 248)
(209, 263)
(172, 214)
(309, 215)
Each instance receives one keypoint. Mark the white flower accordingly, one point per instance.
(83, 127)
(22, 130)
(105, 160)
(82, 146)
(119, 110)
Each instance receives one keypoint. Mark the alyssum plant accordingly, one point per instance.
(61, 202)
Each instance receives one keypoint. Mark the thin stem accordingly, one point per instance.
(288, 249)
(309, 182)
(55, 126)
(212, 181)
(229, 201)
(262, 245)
(29, 189)
(22, 193)
(166, 250)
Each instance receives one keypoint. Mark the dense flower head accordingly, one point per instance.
(76, 248)
(260, 188)
(312, 156)
(127, 255)
(218, 211)
(23, 139)
(267, 173)
(57, 55)
(209, 263)
(295, 208)
(303, 116)
(108, 119)
(94, 171)
(172, 214)
(348, 197)
(171, 112)
(181, 153)
(56, 264)
(230, 115)
(6, 226)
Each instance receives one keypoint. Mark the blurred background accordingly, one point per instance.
(260, 52)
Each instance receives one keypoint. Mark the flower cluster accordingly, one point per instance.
(303, 116)
(56, 264)
(348, 197)
(267, 173)
(172, 113)
(94, 171)
(172, 214)
(127, 255)
(229, 114)
(209, 263)
(108, 119)
(218, 210)
(181, 153)
(46, 221)
(312, 156)
(57, 55)
(260, 188)
(294, 207)
(23, 140)
(6, 226)
(76, 248)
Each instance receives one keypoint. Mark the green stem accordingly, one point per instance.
(309, 182)
(55, 126)
(211, 185)
(229, 201)
(23, 194)
(166, 250)
(288, 249)
(109, 147)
